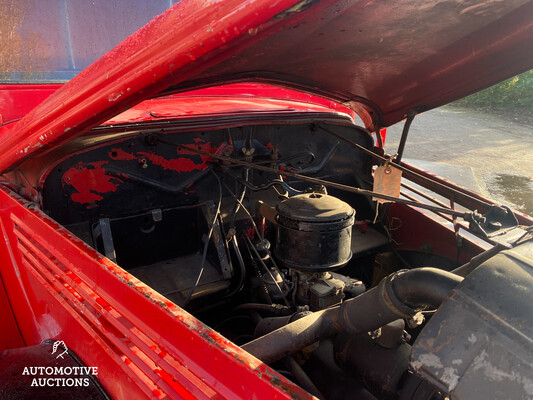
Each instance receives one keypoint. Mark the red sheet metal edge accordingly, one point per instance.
(142, 344)
(186, 39)
(16, 100)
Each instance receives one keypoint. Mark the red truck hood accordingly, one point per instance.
(380, 58)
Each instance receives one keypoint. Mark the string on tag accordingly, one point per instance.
(377, 213)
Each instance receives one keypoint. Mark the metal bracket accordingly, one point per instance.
(218, 239)
(498, 224)
(103, 229)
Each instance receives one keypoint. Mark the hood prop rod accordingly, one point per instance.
(396, 164)
(410, 117)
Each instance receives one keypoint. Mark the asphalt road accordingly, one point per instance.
(491, 154)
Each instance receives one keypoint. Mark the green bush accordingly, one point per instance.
(516, 91)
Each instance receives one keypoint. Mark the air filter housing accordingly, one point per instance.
(314, 232)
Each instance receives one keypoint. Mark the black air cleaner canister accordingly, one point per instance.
(314, 232)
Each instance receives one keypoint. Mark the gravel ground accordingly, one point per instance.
(496, 146)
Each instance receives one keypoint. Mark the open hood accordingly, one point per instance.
(390, 57)
(383, 59)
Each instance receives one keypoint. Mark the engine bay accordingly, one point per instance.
(253, 253)
(164, 214)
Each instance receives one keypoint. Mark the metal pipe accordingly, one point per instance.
(424, 195)
(295, 336)
(242, 268)
(143, 180)
(413, 198)
(239, 202)
(379, 138)
(465, 269)
(318, 168)
(422, 287)
(410, 117)
(400, 295)
(271, 183)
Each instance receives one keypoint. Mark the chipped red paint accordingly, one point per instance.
(202, 145)
(180, 164)
(119, 154)
(89, 180)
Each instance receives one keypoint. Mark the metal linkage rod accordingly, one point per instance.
(396, 164)
(339, 186)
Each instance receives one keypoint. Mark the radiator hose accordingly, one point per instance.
(400, 295)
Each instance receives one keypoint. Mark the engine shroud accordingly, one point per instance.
(314, 232)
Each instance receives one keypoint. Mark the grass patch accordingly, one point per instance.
(514, 92)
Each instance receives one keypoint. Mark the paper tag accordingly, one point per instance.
(387, 181)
